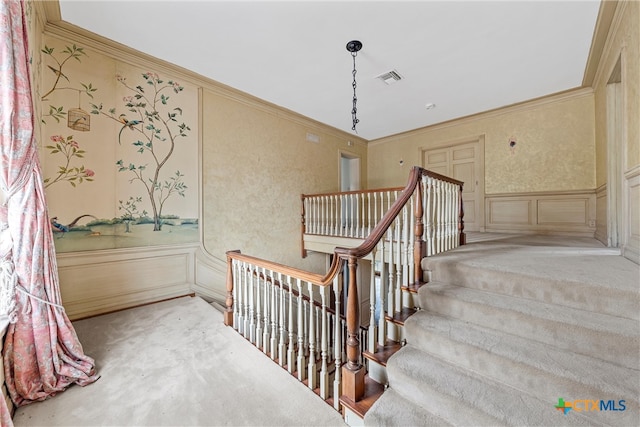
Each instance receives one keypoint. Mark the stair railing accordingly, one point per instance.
(286, 311)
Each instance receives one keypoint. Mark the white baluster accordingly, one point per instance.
(265, 312)
(428, 215)
(450, 204)
(312, 341)
(324, 370)
(342, 213)
(237, 294)
(437, 216)
(456, 212)
(359, 214)
(337, 339)
(247, 289)
(331, 216)
(302, 373)
(382, 323)
(391, 300)
(371, 345)
(249, 300)
(399, 268)
(412, 240)
(291, 350)
(273, 309)
(281, 312)
(351, 215)
(258, 304)
(373, 220)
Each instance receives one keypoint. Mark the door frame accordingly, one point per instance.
(479, 139)
(355, 176)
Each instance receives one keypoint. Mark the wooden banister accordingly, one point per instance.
(352, 371)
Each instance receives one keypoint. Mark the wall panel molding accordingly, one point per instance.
(549, 212)
(601, 215)
(631, 215)
(98, 282)
(210, 277)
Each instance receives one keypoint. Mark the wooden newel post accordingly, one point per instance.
(419, 247)
(353, 372)
(463, 237)
(228, 312)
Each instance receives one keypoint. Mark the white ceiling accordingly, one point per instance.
(464, 56)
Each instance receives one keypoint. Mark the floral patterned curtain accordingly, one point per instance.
(42, 354)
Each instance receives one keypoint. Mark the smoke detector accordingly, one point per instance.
(390, 77)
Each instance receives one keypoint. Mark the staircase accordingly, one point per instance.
(505, 329)
(524, 330)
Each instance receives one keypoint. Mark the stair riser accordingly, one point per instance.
(582, 296)
(437, 403)
(525, 377)
(570, 337)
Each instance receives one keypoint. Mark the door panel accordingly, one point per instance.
(461, 162)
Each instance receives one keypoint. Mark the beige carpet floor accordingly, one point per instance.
(174, 363)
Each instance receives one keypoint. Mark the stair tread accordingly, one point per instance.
(571, 316)
(597, 280)
(545, 262)
(455, 339)
(383, 352)
(399, 317)
(462, 397)
(372, 392)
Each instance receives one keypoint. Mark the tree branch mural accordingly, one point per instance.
(70, 52)
(70, 149)
(156, 130)
(130, 209)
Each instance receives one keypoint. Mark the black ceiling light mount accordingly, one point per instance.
(354, 47)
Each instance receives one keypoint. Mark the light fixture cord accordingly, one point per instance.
(354, 110)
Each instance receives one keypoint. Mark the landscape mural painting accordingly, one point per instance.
(118, 152)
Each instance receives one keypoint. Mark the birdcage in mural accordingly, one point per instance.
(78, 119)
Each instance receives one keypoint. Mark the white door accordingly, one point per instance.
(349, 181)
(464, 163)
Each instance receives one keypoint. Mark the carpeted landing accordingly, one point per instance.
(175, 363)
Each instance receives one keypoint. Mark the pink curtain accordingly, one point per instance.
(42, 354)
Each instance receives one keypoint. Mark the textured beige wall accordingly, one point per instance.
(256, 162)
(554, 151)
(624, 43)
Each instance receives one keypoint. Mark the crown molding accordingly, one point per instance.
(521, 106)
(599, 40)
(614, 25)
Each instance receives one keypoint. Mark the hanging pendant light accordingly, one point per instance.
(354, 47)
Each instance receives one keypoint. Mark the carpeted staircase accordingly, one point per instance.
(504, 332)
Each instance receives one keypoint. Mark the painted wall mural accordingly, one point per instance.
(119, 157)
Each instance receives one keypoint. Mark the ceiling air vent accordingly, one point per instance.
(390, 77)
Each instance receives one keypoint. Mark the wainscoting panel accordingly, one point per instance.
(601, 215)
(509, 213)
(99, 282)
(211, 277)
(555, 212)
(571, 213)
(631, 240)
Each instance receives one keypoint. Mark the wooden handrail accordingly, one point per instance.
(341, 193)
